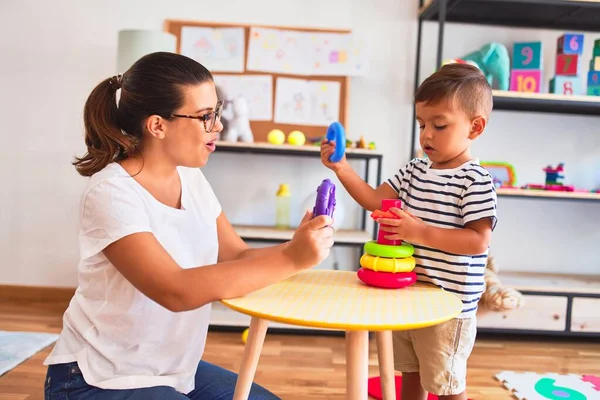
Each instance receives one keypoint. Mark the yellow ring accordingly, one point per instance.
(380, 264)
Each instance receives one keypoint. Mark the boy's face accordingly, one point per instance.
(446, 133)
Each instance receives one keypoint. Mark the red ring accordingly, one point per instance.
(387, 280)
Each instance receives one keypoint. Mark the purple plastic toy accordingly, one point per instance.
(325, 204)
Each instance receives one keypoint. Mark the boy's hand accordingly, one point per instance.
(408, 227)
(327, 149)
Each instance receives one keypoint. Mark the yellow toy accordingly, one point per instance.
(382, 264)
(276, 136)
(245, 335)
(296, 138)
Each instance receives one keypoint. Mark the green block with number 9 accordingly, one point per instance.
(527, 55)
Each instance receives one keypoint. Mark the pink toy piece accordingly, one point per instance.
(526, 80)
(594, 380)
(387, 280)
(374, 388)
(385, 206)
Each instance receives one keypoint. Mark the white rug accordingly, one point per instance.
(16, 347)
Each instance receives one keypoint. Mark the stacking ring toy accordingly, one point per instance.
(386, 280)
(387, 264)
(383, 250)
(337, 133)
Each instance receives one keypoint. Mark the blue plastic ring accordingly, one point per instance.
(336, 132)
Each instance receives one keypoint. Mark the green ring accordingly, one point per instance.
(382, 250)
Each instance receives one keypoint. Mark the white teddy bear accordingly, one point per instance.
(238, 124)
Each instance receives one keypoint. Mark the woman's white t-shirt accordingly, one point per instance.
(120, 338)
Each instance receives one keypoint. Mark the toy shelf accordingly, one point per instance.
(555, 305)
(272, 234)
(580, 15)
(547, 194)
(288, 149)
(546, 102)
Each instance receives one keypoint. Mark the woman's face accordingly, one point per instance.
(188, 141)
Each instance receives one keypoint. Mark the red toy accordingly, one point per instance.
(387, 280)
(385, 213)
(374, 388)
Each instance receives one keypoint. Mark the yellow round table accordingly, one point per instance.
(339, 300)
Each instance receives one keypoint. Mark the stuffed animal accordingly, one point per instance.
(493, 60)
(238, 127)
(496, 296)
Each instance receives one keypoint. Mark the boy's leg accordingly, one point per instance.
(405, 361)
(65, 381)
(216, 383)
(443, 351)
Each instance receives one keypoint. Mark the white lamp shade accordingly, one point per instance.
(134, 44)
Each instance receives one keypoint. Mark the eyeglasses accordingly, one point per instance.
(209, 119)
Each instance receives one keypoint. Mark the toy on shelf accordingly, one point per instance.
(296, 138)
(567, 78)
(276, 136)
(492, 59)
(325, 202)
(503, 173)
(593, 77)
(553, 174)
(238, 127)
(387, 263)
(526, 73)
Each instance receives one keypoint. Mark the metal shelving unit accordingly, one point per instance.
(226, 319)
(575, 296)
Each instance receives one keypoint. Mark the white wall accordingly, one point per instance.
(53, 53)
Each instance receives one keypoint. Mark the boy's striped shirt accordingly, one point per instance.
(448, 199)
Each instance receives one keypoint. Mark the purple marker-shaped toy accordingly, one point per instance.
(325, 203)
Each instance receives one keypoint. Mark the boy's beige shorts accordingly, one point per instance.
(439, 353)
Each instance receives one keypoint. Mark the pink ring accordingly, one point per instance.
(387, 280)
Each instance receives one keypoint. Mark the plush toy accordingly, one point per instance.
(238, 127)
(496, 296)
(493, 60)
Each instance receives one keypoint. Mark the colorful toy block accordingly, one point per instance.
(567, 64)
(593, 90)
(596, 52)
(566, 85)
(593, 78)
(595, 64)
(526, 80)
(527, 55)
(570, 43)
(596, 43)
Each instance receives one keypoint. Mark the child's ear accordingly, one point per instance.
(478, 125)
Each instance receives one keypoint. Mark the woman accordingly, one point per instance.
(155, 246)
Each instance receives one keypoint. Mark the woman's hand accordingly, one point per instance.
(311, 242)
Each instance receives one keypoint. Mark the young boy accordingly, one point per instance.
(448, 215)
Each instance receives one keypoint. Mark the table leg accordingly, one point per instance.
(254, 344)
(385, 355)
(357, 365)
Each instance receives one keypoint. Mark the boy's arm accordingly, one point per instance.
(478, 211)
(366, 196)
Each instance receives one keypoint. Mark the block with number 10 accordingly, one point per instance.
(526, 80)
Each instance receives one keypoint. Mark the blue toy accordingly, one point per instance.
(337, 133)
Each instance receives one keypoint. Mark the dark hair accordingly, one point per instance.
(463, 83)
(152, 86)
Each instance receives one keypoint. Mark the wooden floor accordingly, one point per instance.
(309, 368)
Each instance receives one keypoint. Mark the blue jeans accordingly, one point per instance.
(65, 382)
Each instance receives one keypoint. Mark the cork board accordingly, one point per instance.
(260, 129)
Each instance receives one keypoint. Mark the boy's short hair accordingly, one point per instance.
(463, 84)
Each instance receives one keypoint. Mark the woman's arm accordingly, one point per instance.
(232, 247)
(147, 265)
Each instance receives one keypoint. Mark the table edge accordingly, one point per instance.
(343, 327)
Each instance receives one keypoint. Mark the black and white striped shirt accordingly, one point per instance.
(448, 199)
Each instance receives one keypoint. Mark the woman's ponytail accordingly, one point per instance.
(104, 138)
